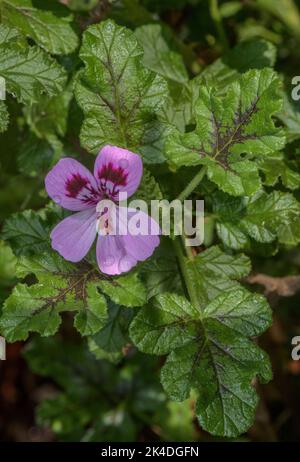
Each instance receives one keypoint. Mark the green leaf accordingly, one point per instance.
(35, 156)
(50, 31)
(290, 116)
(118, 95)
(252, 54)
(148, 189)
(165, 324)
(125, 290)
(61, 286)
(30, 72)
(4, 117)
(7, 264)
(290, 233)
(158, 56)
(180, 110)
(161, 275)
(93, 317)
(211, 354)
(26, 232)
(260, 218)
(49, 115)
(113, 336)
(32, 309)
(9, 34)
(223, 264)
(231, 132)
(214, 272)
(275, 168)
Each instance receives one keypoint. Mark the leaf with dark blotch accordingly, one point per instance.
(231, 132)
(61, 287)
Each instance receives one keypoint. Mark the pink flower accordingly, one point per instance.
(73, 187)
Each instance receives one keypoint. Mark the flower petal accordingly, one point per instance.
(117, 254)
(118, 170)
(110, 252)
(72, 186)
(74, 236)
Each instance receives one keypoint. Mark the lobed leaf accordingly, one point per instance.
(61, 286)
(118, 95)
(210, 352)
(232, 131)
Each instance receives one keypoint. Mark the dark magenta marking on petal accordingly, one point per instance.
(116, 175)
(75, 184)
(78, 185)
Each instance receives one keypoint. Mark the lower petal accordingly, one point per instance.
(110, 253)
(74, 236)
(117, 254)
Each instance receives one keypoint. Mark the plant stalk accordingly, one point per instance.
(192, 184)
(182, 263)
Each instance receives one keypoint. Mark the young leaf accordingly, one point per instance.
(50, 31)
(29, 72)
(125, 290)
(231, 132)
(210, 353)
(260, 218)
(119, 97)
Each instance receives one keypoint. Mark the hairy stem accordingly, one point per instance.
(192, 184)
(187, 280)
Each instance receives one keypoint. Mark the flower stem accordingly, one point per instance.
(183, 267)
(192, 184)
(217, 18)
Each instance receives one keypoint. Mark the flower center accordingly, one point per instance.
(106, 217)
